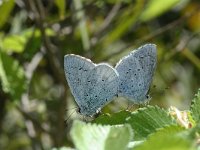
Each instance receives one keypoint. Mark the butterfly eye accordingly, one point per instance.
(78, 110)
(148, 97)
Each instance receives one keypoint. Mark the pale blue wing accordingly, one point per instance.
(76, 70)
(101, 87)
(136, 73)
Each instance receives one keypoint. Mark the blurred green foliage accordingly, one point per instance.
(35, 35)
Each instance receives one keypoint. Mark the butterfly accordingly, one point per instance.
(95, 85)
(92, 85)
(136, 72)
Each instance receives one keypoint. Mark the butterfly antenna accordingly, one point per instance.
(66, 120)
(71, 108)
(161, 91)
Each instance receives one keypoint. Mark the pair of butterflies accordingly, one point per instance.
(95, 85)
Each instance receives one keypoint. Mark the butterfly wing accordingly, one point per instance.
(76, 70)
(102, 86)
(136, 72)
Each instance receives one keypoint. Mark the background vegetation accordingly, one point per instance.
(35, 101)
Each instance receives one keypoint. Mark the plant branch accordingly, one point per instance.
(53, 55)
(108, 19)
(154, 34)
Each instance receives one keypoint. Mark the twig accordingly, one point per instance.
(108, 19)
(50, 48)
(155, 33)
(183, 44)
(30, 122)
(52, 54)
(31, 67)
(181, 47)
(35, 122)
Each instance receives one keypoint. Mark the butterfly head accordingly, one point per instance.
(148, 97)
(88, 112)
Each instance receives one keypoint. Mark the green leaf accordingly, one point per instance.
(114, 119)
(29, 40)
(6, 7)
(147, 120)
(12, 76)
(195, 107)
(157, 7)
(61, 6)
(93, 136)
(14, 43)
(169, 138)
(144, 121)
